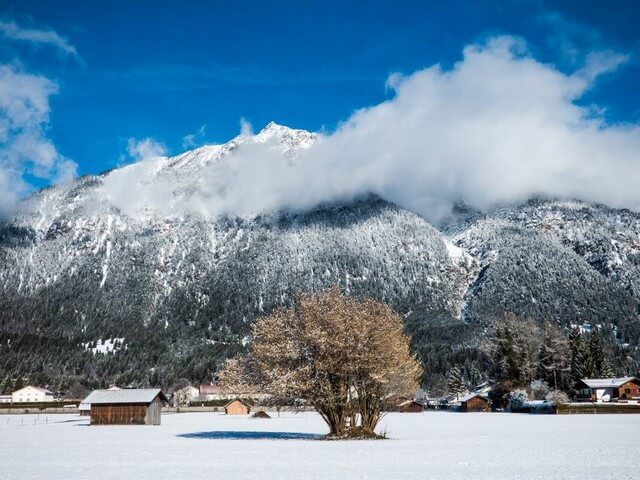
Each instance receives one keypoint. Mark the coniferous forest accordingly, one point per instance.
(87, 300)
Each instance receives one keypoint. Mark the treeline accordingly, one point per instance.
(544, 359)
(66, 367)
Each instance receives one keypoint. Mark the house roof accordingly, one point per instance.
(139, 395)
(471, 395)
(212, 389)
(606, 382)
(40, 389)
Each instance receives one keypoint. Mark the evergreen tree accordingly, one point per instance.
(18, 384)
(555, 359)
(597, 357)
(579, 357)
(607, 368)
(455, 382)
(6, 385)
(516, 346)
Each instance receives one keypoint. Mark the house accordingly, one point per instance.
(126, 407)
(410, 406)
(184, 396)
(32, 394)
(214, 392)
(475, 402)
(609, 389)
(5, 398)
(237, 407)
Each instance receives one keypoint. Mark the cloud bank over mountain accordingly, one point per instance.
(498, 127)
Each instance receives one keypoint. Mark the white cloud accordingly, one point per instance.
(246, 128)
(145, 148)
(498, 127)
(192, 140)
(13, 31)
(24, 148)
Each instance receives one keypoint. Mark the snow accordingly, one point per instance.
(431, 445)
(455, 253)
(105, 346)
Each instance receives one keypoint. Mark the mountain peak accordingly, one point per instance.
(288, 139)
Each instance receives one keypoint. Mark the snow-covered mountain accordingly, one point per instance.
(138, 255)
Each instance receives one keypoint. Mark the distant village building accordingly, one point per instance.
(475, 402)
(626, 389)
(32, 394)
(5, 398)
(184, 396)
(214, 392)
(126, 407)
(84, 409)
(237, 407)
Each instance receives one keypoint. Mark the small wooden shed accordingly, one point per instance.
(410, 406)
(237, 407)
(475, 402)
(126, 407)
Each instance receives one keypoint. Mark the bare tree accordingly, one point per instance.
(340, 355)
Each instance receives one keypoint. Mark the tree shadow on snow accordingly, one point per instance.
(230, 435)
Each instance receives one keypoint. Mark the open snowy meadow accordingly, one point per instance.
(426, 446)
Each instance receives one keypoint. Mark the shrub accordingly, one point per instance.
(539, 389)
(517, 399)
(558, 397)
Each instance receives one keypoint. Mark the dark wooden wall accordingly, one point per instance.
(118, 414)
(477, 404)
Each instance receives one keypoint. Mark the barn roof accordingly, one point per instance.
(471, 395)
(244, 402)
(139, 395)
(606, 382)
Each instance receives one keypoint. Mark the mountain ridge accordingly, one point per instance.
(183, 287)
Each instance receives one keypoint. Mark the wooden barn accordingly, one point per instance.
(403, 405)
(126, 407)
(237, 407)
(410, 406)
(475, 402)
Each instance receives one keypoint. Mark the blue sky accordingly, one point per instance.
(165, 70)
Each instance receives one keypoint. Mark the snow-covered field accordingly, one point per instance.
(425, 446)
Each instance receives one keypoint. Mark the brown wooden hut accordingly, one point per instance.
(126, 407)
(475, 402)
(237, 407)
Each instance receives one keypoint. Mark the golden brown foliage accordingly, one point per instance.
(341, 355)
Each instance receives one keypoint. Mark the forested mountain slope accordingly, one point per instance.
(180, 289)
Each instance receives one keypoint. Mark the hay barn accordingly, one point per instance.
(126, 407)
(237, 407)
(475, 402)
